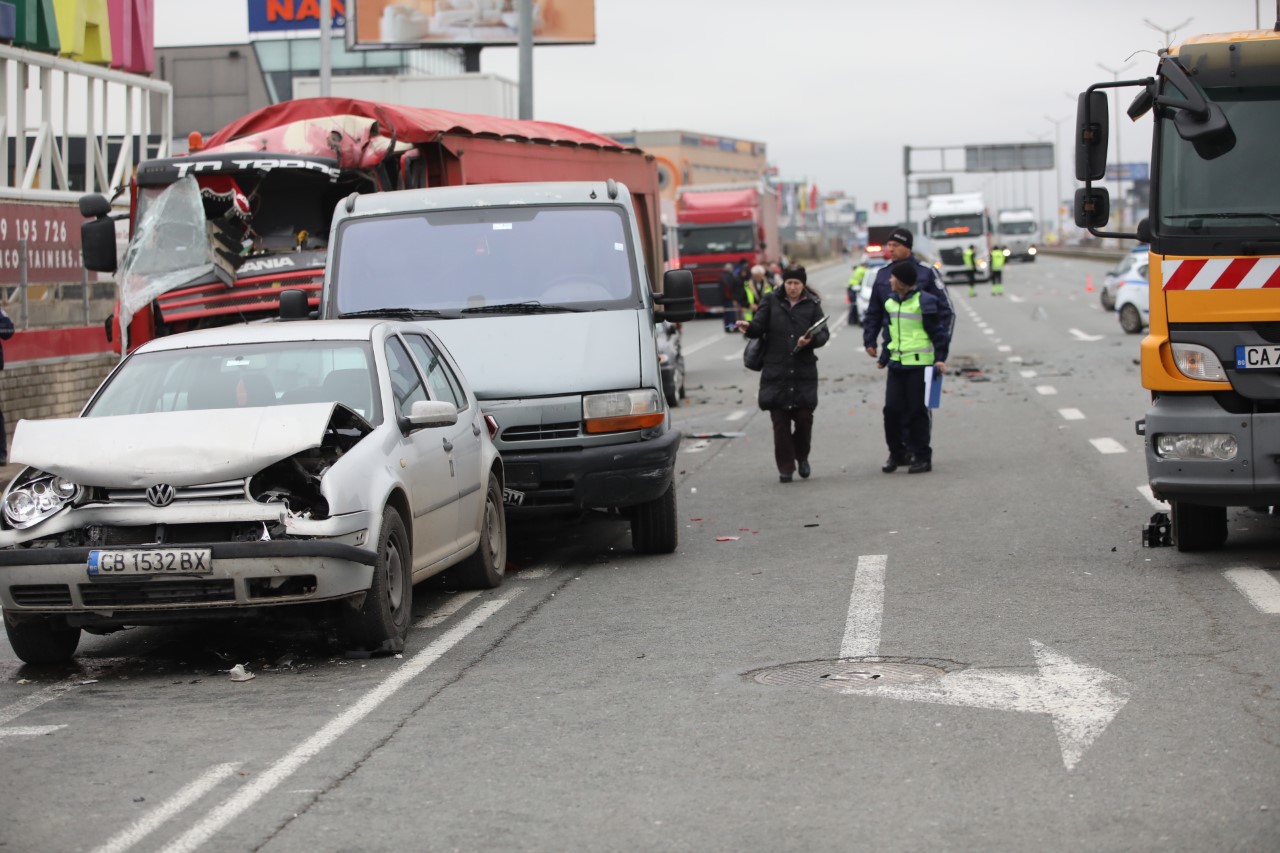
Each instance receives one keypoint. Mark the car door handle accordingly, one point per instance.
(475, 429)
(448, 445)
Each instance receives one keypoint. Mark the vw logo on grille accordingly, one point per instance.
(161, 494)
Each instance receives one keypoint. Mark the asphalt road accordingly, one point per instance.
(998, 663)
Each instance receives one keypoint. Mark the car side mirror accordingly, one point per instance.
(1091, 136)
(432, 413)
(676, 297)
(1092, 207)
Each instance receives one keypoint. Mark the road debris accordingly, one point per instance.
(728, 538)
(239, 673)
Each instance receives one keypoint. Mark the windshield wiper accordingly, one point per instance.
(530, 307)
(396, 313)
(1274, 217)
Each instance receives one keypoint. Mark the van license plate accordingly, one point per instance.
(511, 497)
(1257, 358)
(160, 561)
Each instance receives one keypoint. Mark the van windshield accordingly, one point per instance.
(577, 258)
(956, 225)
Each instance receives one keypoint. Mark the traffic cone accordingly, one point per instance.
(1088, 282)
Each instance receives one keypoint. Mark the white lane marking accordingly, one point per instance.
(1071, 414)
(1016, 299)
(696, 447)
(1004, 348)
(231, 808)
(731, 357)
(866, 606)
(1027, 374)
(1107, 445)
(1152, 499)
(152, 820)
(1046, 389)
(1084, 336)
(536, 574)
(982, 325)
(35, 700)
(450, 607)
(988, 331)
(1259, 586)
(28, 731)
(1016, 359)
(736, 416)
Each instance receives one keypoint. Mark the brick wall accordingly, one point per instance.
(41, 389)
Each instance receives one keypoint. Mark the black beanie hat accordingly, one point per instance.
(905, 272)
(901, 235)
(795, 272)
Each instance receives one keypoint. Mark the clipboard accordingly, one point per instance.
(808, 333)
(932, 387)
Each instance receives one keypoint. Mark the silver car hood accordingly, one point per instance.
(539, 355)
(178, 448)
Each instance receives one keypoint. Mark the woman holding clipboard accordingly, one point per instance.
(790, 321)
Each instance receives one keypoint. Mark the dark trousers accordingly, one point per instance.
(4, 442)
(997, 276)
(730, 314)
(792, 436)
(907, 421)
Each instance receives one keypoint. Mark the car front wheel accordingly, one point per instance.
(382, 622)
(41, 639)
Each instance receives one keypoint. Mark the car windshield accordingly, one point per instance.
(715, 239)
(275, 373)
(489, 260)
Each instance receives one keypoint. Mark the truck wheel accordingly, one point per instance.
(1130, 319)
(1198, 528)
(1107, 299)
(41, 639)
(382, 622)
(653, 524)
(485, 568)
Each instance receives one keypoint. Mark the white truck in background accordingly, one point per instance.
(956, 222)
(1018, 232)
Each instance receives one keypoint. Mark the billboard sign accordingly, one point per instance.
(1128, 172)
(926, 187)
(1017, 157)
(277, 16)
(382, 24)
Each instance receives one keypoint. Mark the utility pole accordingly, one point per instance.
(1057, 172)
(526, 58)
(1115, 98)
(326, 32)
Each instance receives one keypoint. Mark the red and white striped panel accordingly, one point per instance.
(1221, 273)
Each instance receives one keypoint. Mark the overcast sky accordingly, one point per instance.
(836, 88)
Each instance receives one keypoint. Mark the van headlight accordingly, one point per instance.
(37, 497)
(1221, 446)
(618, 411)
(1197, 362)
(1030, 251)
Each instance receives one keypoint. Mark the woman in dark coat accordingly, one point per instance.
(789, 380)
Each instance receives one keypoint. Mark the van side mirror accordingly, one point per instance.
(98, 244)
(1092, 207)
(1091, 136)
(676, 297)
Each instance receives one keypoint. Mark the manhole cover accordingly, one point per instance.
(853, 672)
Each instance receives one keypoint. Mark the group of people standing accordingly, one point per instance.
(743, 287)
(907, 329)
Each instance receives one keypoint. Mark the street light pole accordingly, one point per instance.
(1168, 34)
(1057, 173)
(1115, 97)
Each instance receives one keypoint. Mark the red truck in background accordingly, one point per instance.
(217, 234)
(720, 224)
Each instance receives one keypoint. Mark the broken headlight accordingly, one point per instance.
(37, 497)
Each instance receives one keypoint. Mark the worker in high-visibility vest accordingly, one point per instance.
(971, 268)
(997, 271)
(855, 284)
(756, 287)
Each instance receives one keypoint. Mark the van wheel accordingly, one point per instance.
(1130, 319)
(41, 639)
(1198, 528)
(382, 622)
(653, 524)
(485, 568)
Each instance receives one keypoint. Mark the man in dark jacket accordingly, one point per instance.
(6, 332)
(899, 248)
(789, 379)
(728, 288)
(917, 341)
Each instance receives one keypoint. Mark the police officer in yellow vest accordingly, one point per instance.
(971, 268)
(756, 286)
(916, 340)
(997, 271)
(855, 284)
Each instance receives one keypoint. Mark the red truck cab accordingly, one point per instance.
(722, 224)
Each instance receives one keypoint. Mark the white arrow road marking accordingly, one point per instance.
(1081, 699)
(28, 731)
(1084, 336)
(866, 604)
(267, 781)
(1260, 587)
(1107, 445)
(1152, 499)
(154, 819)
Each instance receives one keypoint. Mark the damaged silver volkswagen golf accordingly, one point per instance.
(228, 471)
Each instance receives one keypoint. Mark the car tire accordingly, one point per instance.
(41, 639)
(382, 621)
(653, 524)
(1107, 299)
(1130, 319)
(486, 567)
(1197, 527)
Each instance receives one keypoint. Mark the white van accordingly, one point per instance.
(1019, 233)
